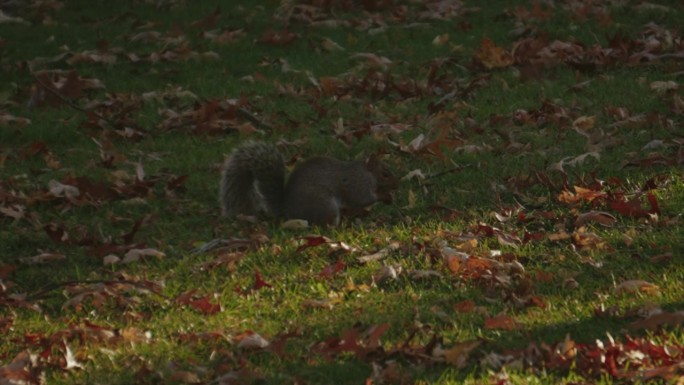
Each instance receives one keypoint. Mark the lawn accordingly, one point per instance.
(535, 237)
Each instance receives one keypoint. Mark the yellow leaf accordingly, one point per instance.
(458, 354)
(584, 123)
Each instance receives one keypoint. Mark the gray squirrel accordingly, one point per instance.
(253, 181)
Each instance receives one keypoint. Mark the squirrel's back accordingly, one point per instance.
(321, 186)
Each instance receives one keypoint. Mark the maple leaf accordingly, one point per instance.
(208, 21)
(43, 258)
(492, 56)
(332, 269)
(312, 241)
(636, 285)
(659, 320)
(21, 370)
(458, 354)
(250, 340)
(6, 119)
(501, 322)
(259, 282)
(465, 306)
(600, 217)
(274, 37)
(70, 361)
(205, 306)
(134, 255)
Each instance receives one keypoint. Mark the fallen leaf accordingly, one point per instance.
(492, 56)
(185, 377)
(465, 306)
(584, 123)
(110, 259)
(600, 217)
(134, 255)
(43, 258)
(70, 360)
(320, 303)
(501, 322)
(251, 340)
(387, 273)
(662, 87)
(458, 354)
(636, 286)
(658, 320)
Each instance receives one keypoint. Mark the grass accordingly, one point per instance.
(156, 338)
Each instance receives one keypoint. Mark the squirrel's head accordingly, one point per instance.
(386, 181)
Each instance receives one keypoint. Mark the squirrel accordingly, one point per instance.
(253, 181)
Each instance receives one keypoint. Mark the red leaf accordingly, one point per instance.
(208, 21)
(374, 337)
(631, 208)
(331, 270)
(273, 37)
(529, 237)
(538, 302)
(655, 208)
(259, 282)
(312, 241)
(501, 322)
(176, 182)
(205, 306)
(5, 270)
(466, 306)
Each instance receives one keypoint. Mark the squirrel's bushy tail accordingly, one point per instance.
(253, 180)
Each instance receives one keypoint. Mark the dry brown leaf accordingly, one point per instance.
(185, 377)
(440, 40)
(14, 211)
(559, 236)
(110, 259)
(465, 306)
(43, 258)
(134, 255)
(134, 335)
(6, 119)
(600, 217)
(588, 241)
(252, 341)
(320, 303)
(501, 322)
(387, 273)
(584, 123)
(458, 354)
(637, 286)
(492, 56)
(662, 87)
(658, 320)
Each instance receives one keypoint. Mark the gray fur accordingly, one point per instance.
(252, 181)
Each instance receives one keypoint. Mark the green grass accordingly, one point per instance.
(513, 173)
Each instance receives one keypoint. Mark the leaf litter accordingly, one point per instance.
(483, 256)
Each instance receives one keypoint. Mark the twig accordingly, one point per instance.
(51, 89)
(449, 171)
(255, 120)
